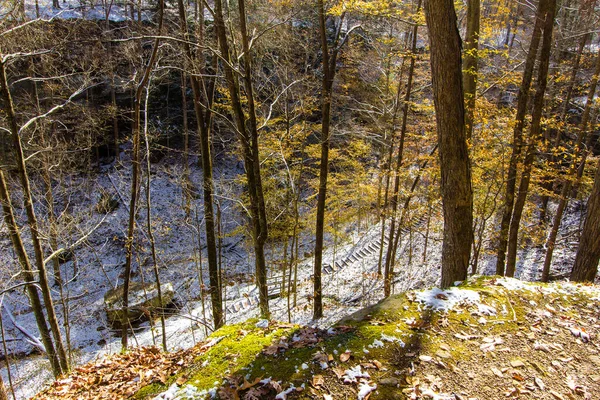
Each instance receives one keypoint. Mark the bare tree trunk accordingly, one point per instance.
(203, 122)
(187, 185)
(534, 137)
(34, 298)
(135, 173)
(571, 174)
(326, 90)
(548, 182)
(113, 98)
(261, 230)
(389, 259)
(32, 221)
(247, 130)
(149, 224)
(511, 175)
(457, 194)
(470, 68)
(588, 253)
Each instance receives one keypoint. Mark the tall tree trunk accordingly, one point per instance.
(135, 174)
(522, 100)
(32, 221)
(149, 225)
(470, 67)
(326, 91)
(457, 194)
(571, 174)
(259, 200)
(247, 130)
(588, 253)
(534, 137)
(32, 293)
(390, 254)
(203, 122)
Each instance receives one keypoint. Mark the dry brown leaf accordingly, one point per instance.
(318, 380)
(345, 356)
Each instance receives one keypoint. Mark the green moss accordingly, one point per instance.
(240, 352)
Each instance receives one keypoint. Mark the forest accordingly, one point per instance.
(169, 168)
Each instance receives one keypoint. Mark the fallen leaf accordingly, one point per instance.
(318, 380)
(345, 356)
(539, 383)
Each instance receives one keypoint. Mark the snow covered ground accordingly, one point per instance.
(350, 283)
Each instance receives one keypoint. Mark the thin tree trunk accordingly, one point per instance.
(261, 230)
(457, 194)
(187, 185)
(207, 177)
(470, 68)
(511, 175)
(247, 130)
(32, 221)
(534, 137)
(588, 253)
(326, 90)
(389, 259)
(149, 225)
(571, 175)
(34, 298)
(135, 173)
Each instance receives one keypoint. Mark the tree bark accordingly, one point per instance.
(588, 253)
(391, 252)
(326, 90)
(32, 221)
(247, 130)
(571, 174)
(511, 175)
(32, 293)
(135, 174)
(534, 136)
(470, 67)
(457, 194)
(204, 122)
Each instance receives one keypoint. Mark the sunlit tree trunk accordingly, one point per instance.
(571, 174)
(511, 175)
(470, 68)
(247, 130)
(32, 221)
(457, 195)
(534, 137)
(588, 253)
(203, 121)
(391, 252)
(135, 175)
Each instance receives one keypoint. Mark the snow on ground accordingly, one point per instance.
(345, 290)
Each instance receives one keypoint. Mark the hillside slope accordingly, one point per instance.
(489, 338)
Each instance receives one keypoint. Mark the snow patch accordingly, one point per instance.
(353, 374)
(263, 323)
(446, 300)
(364, 389)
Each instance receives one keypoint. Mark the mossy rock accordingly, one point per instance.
(143, 299)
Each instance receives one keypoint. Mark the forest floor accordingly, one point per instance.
(347, 289)
(488, 338)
